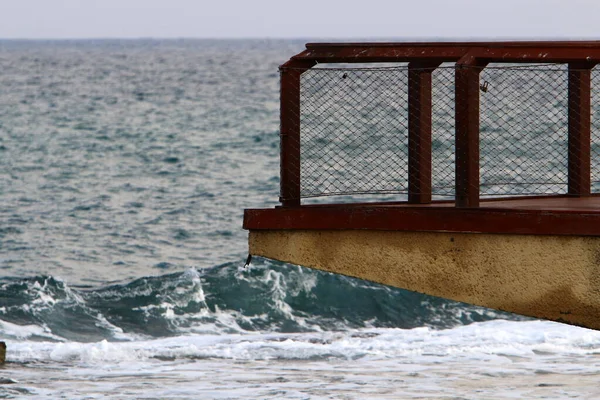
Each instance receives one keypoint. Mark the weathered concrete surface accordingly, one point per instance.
(549, 277)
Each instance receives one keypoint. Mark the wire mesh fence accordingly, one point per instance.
(595, 131)
(523, 130)
(354, 130)
(442, 132)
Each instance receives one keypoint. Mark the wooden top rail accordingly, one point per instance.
(493, 43)
(513, 52)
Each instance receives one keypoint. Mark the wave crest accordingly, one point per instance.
(268, 296)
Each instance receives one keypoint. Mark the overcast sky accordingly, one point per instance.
(302, 19)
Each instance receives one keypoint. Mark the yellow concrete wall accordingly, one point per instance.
(550, 277)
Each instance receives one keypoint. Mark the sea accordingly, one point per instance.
(125, 167)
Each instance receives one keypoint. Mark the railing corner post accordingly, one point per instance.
(419, 131)
(467, 89)
(290, 73)
(579, 154)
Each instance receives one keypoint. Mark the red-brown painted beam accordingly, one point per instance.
(419, 132)
(366, 54)
(489, 44)
(514, 52)
(290, 131)
(467, 131)
(426, 219)
(579, 129)
(540, 54)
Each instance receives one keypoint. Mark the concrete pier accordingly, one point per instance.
(509, 221)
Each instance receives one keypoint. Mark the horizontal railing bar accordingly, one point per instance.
(514, 52)
(405, 204)
(512, 43)
(431, 218)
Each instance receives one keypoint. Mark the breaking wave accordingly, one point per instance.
(265, 297)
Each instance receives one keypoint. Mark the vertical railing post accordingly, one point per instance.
(419, 132)
(290, 131)
(467, 131)
(579, 129)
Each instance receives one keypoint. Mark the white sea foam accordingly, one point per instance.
(10, 331)
(117, 332)
(495, 359)
(492, 338)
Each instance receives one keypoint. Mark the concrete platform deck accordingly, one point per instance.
(541, 215)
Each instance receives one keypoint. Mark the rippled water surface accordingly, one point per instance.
(122, 159)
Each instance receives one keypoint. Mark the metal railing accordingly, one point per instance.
(433, 121)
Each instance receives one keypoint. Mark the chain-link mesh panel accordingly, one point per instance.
(354, 131)
(595, 131)
(443, 127)
(355, 137)
(523, 130)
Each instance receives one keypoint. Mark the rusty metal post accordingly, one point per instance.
(290, 131)
(419, 132)
(467, 131)
(579, 129)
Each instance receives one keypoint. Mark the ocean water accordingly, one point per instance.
(125, 167)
